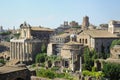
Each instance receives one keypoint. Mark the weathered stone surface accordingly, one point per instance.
(14, 73)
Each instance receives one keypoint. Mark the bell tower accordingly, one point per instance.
(85, 23)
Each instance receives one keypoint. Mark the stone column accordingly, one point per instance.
(18, 51)
(26, 51)
(10, 50)
(13, 50)
(30, 52)
(21, 51)
(23, 54)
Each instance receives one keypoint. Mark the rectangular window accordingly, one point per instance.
(80, 40)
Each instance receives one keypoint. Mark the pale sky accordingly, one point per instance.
(52, 13)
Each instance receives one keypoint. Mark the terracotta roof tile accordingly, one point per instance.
(100, 34)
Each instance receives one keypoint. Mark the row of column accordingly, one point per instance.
(20, 51)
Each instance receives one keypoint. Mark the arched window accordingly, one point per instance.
(80, 40)
(85, 41)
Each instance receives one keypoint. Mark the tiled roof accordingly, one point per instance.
(100, 34)
(41, 29)
(63, 35)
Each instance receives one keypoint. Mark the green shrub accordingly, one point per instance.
(49, 74)
(111, 70)
(65, 69)
(2, 61)
(33, 65)
(55, 68)
(42, 64)
(17, 35)
(94, 69)
(45, 73)
(68, 76)
(5, 33)
(88, 57)
(40, 58)
(115, 42)
(93, 74)
(60, 75)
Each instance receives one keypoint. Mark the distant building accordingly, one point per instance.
(56, 43)
(85, 23)
(29, 43)
(100, 40)
(114, 27)
(91, 27)
(61, 38)
(103, 26)
(70, 54)
(74, 24)
(62, 27)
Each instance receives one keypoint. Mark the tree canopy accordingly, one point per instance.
(89, 57)
(111, 70)
(5, 33)
(40, 58)
(115, 42)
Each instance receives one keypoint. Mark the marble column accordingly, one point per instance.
(28, 50)
(30, 54)
(23, 54)
(21, 51)
(10, 50)
(18, 51)
(26, 53)
(13, 49)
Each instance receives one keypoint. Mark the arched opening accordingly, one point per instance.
(19, 79)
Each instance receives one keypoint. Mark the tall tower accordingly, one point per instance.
(65, 23)
(85, 23)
